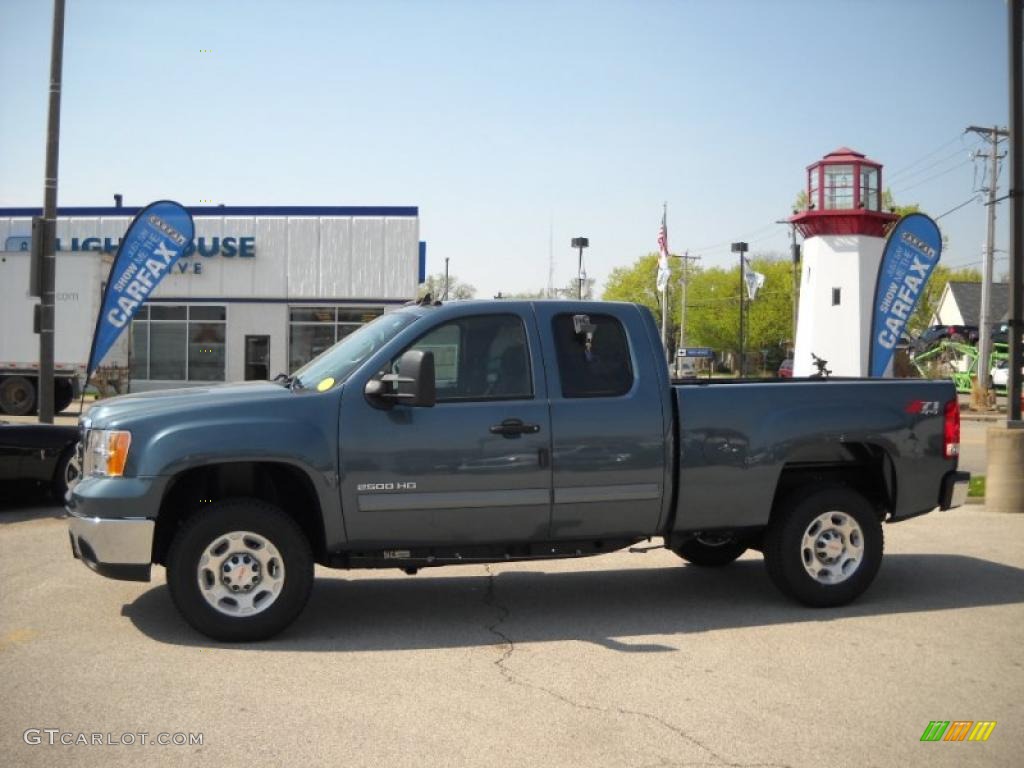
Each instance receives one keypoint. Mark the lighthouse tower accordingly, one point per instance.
(844, 233)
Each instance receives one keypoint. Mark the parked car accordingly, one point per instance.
(42, 452)
(936, 333)
(786, 369)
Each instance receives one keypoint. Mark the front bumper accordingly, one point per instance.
(954, 489)
(115, 548)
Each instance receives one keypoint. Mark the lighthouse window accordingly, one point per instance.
(839, 187)
(869, 188)
(836, 296)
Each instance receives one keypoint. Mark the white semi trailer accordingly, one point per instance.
(79, 284)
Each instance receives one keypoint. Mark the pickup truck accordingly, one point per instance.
(500, 431)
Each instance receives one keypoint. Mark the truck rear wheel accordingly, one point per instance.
(824, 546)
(240, 570)
(710, 551)
(17, 396)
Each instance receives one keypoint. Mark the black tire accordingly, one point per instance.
(202, 531)
(66, 474)
(710, 552)
(17, 396)
(63, 394)
(842, 575)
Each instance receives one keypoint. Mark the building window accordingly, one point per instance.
(836, 296)
(173, 342)
(312, 330)
(838, 187)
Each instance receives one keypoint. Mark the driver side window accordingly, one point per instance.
(485, 357)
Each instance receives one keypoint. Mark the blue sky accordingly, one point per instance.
(506, 121)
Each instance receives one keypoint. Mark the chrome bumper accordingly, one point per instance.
(115, 548)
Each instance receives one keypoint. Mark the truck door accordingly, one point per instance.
(609, 431)
(474, 468)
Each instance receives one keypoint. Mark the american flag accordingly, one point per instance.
(663, 271)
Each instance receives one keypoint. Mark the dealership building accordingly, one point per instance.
(260, 291)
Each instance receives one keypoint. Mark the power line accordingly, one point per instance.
(932, 165)
(932, 178)
(959, 137)
(968, 201)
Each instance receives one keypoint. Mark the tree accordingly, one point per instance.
(568, 292)
(434, 285)
(889, 204)
(712, 299)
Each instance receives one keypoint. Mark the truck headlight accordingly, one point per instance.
(106, 452)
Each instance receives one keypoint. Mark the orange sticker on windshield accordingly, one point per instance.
(325, 384)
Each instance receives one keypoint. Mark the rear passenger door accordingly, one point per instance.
(610, 435)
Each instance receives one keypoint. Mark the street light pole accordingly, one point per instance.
(580, 243)
(741, 248)
(445, 297)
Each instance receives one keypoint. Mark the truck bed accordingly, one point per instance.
(739, 440)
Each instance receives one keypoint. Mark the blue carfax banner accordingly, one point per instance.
(910, 255)
(156, 238)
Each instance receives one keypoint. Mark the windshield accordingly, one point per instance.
(337, 363)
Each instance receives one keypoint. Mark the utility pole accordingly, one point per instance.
(49, 261)
(445, 297)
(683, 282)
(984, 380)
(741, 248)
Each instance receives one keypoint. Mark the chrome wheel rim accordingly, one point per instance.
(832, 548)
(72, 471)
(240, 573)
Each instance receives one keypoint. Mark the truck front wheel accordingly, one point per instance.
(824, 547)
(710, 551)
(240, 570)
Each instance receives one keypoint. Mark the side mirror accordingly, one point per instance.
(413, 385)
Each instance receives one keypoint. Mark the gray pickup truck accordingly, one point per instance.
(500, 431)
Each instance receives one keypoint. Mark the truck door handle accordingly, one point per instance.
(514, 428)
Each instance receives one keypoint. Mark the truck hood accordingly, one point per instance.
(126, 408)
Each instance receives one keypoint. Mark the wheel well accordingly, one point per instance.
(280, 484)
(868, 471)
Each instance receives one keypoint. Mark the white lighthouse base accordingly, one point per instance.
(836, 327)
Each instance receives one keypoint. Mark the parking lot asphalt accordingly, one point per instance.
(619, 660)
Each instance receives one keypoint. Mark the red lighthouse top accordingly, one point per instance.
(844, 197)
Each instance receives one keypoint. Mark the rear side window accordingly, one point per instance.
(603, 370)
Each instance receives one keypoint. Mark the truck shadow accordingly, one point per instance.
(23, 500)
(607, 607)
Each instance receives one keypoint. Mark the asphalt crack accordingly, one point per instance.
(508, 649)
